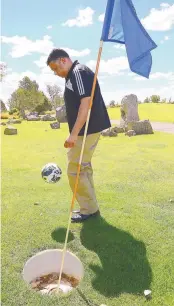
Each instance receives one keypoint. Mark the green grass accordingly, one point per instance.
(153, 111)
(128, 250)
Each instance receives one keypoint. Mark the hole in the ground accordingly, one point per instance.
(42, 271)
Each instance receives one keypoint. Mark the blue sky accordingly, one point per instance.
(30, 29)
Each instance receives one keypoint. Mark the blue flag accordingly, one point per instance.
(122, 25)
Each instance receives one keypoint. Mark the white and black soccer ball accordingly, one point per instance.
(51, 173)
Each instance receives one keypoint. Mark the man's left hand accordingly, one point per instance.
(70, 142)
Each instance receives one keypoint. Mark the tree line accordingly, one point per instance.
(28, 97)
(152, 99)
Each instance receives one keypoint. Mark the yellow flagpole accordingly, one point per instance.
(80, 160)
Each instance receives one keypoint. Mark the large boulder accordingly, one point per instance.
(10, 130)
(48, 118)
(55, 125)
(33, 114)
(109, 132)
(61, 115)
(130, 133)
(140, 127)
(32, 118)
(2, 123)
(119, 129)
(129, 110)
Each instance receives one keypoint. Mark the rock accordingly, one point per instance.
(140, 127)
(48, 118)
(14, 121)
(109, 132)
(33, 114)
(2, 123)
(171, 200)
(129, 110)
(44, 291)
(61, 114)
(55, 125)
(10, 130)
(147, 294)
(65, 287)
(130, 133)
(36, 203)
(32, 118)
(119, 129)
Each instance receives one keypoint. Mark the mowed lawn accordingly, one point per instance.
(128, 250)
(153, 111)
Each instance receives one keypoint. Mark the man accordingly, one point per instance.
(78, 86)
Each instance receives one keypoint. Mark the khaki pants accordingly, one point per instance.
(85, 195)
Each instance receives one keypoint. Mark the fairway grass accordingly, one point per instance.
(128, 250)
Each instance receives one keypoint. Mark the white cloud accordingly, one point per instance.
(164, 5)
(157, 75)
(41, 63)
(119, 46)
(141, 93)
(77, 53)
(22, 46)
(111, 66)
(84, 18)
(161, 19)
(118, 94)
(165, 38)
(11, 82)
(162, 75)
(49, 27)
(101, 17)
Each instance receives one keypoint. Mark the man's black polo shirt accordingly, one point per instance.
(78, 85)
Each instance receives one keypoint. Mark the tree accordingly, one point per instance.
(55, 94)
(147, 100)
(155, 99)
(164, 101)
(112, 103)
(45, 106)
(2, 106)
(3, 70)
(27, 84)
(28, 97)
(23, 99)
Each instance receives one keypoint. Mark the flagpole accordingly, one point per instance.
(80, 160)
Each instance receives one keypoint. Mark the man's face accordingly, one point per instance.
(59, 67)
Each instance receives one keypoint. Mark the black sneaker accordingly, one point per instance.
(78, 217)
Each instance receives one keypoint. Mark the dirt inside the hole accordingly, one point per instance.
(48, 284)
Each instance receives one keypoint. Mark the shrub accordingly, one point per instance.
(15, 116)
(13, 110)
(4, 116)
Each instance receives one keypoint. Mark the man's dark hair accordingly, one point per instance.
(55, 54)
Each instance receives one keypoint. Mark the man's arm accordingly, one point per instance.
(80, 121)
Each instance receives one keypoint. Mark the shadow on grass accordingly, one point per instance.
(124, 265)
(59, 235)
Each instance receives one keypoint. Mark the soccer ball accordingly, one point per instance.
(51, 173)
